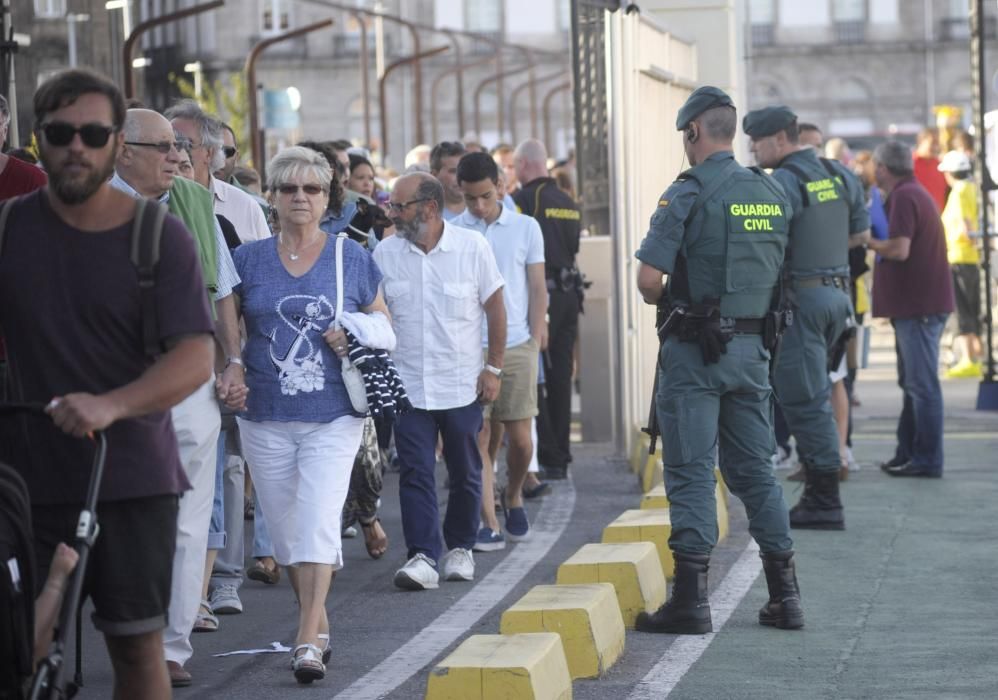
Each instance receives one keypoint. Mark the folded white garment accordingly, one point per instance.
(372, 330)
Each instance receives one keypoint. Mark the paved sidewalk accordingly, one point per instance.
(900, 605)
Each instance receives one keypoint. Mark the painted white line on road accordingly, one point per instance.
(453, 623)
(686, 650)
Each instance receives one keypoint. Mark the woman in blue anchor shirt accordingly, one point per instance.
(300, 433)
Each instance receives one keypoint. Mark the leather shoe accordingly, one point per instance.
(179, 678)
(909, 469)
(893, 462)
(554, 473)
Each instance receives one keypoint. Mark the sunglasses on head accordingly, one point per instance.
(307, 189)
(229, 151)
(92, 135)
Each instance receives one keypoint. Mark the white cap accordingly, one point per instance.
(955, 162)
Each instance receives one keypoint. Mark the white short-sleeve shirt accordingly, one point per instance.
(517, 242)
(436, 302)
(240, 209)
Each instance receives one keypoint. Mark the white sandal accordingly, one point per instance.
(327, 648)
(307, 666)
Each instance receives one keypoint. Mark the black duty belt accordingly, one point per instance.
(823, 281)
(689, 328)
(748, 326)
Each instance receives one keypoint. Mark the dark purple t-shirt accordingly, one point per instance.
(921, 285)
(70, 310)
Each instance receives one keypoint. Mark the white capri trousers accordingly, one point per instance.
(301, 472)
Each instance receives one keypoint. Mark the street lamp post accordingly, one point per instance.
(143, 27)
(256, 147)
(382, 98)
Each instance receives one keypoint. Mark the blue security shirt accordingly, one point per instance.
(292, 374)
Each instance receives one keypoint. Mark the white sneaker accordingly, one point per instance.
(783, 459)
(851, 461)
(458, 565)
(418, 574)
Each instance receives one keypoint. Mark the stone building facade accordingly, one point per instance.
(864, 69)
(324, 66)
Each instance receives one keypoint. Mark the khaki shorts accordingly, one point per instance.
(517, 398)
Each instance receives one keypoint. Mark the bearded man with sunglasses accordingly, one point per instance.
(69, 306)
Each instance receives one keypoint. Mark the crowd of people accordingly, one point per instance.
(287, 341)
(293, 337)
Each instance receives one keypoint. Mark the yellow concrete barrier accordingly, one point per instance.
(585, 615)
(652, 474)
(649, 525)
(633, 568)
(655, 498)
(502, 667)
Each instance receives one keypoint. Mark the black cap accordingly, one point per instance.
(767, 121)
(702, 99)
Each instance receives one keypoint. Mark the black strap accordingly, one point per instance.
(4, 213)
(147, 231)
(802, 178)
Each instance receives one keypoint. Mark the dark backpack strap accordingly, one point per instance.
(4, 213)
(147, 230)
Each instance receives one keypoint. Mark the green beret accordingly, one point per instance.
(767, 121)
(702, 99)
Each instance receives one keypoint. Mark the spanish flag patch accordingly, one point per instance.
(663, 202)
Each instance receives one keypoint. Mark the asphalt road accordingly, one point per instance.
(900, 605)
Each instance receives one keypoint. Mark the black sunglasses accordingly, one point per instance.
(92, 135)
(229, 151)
(307, 189)
(163, 146)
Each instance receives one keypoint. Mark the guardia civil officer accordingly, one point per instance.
(560, 221)
(829, 217)
(719, 233)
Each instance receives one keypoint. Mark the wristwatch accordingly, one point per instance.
(494, 370)
(233, 360)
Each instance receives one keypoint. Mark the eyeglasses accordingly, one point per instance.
(307, 189)
(163, 147)
(92, 135)
(229, 151)
(400, 206)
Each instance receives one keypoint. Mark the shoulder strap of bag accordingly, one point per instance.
(147, 231)
(4, 213)
(340, 238)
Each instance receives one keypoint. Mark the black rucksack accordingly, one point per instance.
(17, 584)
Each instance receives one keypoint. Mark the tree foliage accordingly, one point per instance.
(228, 101)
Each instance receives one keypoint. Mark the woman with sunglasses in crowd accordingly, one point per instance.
(300, 431)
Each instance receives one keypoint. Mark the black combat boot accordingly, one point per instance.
(688, 610)
(783, 609)
(819, 507)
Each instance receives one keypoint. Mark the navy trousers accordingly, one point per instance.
(416, 441)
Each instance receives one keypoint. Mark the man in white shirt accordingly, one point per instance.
(518, 245)
(205, 134)
(441, 282)
(443, 166)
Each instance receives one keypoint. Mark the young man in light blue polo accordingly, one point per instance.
(518, 245)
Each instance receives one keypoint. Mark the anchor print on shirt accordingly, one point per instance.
(299, 367)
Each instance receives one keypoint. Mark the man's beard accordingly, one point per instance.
(413, 231)
(76, 190)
